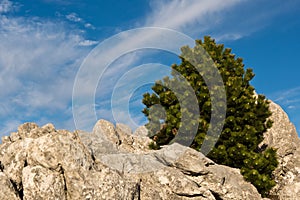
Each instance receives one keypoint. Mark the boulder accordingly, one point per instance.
(283, 137)
(109, 163)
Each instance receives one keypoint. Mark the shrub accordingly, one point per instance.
(246, 115)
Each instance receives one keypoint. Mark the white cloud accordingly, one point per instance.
(288, 98)
(74, 17)
(191, 17)
(6, 6)
(179, 13)
(38, 63)
(10, 126)
(229, 36)
(89, 25)
(291, 107)
(88, 43)
(175, 14)
(224, 20)
(39, 58)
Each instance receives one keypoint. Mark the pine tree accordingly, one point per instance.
(246, 115)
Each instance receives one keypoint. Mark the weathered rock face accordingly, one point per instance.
(284, 138)
(112, 163)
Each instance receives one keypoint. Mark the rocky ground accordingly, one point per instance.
(114, 163)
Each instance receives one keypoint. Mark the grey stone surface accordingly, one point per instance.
(7, 191)
(141, 131)
(283, 136)
(44, 163)
(42, 183)
(112, 163)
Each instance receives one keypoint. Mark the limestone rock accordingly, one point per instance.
(284, 138)
(141, 131)
(107, 139)
(42, 183)
(44, 163)
(112, 163)
(107, 130)
(54, 165)
(7, 191)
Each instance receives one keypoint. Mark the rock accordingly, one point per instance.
(112, 163)
(97, 144)
(107, 139)
(55, 165)
(106, 130)
(130, 142)
(5, 139)
(14, 136)
(7, 191)
(44, 163)
(141, 131)
(42, 183)
(283, 137)
(12, 160)
(221, 181)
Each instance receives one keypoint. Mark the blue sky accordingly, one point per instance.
(44, 42)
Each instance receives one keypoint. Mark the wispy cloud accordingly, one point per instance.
(38, 60)
(178, 14)
(191, 17)
(289, 98)
(88, 43)
(89, 26)
(224, 20)
(6, 6)
(73, 17)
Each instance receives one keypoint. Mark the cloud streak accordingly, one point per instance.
(289, 98)
(224, 20)
(38, 62)
(191, 17)
(6, 6)
(73, 17)
(290, 102)
(179, 13)
(39, 58)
